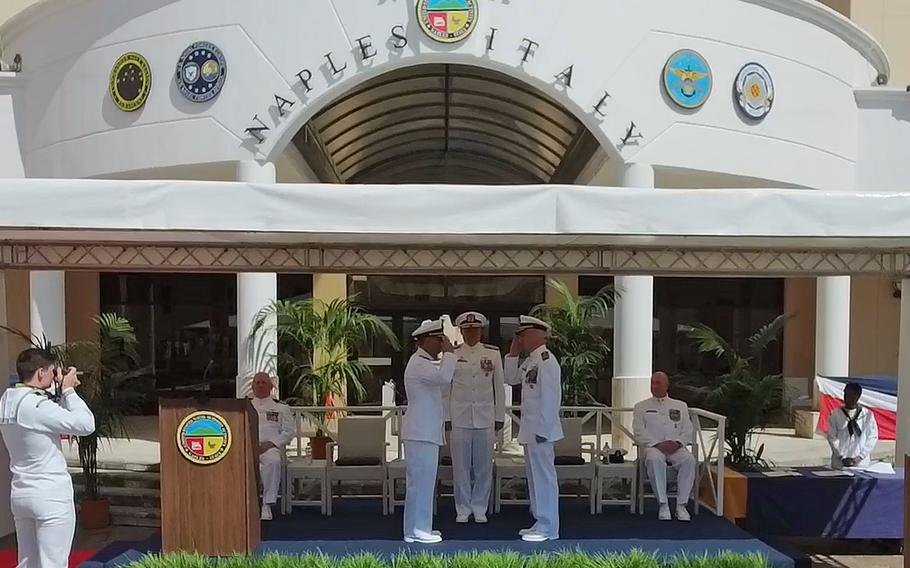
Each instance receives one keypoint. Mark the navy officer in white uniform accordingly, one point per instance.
(476, 410)
(541, 395)
(426, 376)
(41, 492)
(276, 429)
(662, 429)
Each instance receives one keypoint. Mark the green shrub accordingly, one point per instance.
(568, 559)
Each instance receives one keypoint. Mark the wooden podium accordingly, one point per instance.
(212, 507)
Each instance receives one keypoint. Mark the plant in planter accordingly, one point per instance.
(745, 394)
(317, 343)
(110, 365)
(582, 352)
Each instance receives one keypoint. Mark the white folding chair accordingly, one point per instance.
(361, 456)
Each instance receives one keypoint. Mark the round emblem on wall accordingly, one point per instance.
(131, 82)
(204, 438)
(201, 72)
(447, 21)
(687, 79)
(754, 91)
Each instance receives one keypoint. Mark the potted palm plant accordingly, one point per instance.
(317, 343)
(110, 364)
(582, 352)
(744, 393)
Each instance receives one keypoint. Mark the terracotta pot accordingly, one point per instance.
(94, 514)
(317, 446)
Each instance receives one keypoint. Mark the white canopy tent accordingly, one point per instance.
(487, 216)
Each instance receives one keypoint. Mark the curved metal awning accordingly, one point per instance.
(435, 123)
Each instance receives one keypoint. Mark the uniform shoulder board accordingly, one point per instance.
(493, 347)
(427, 358)
(545, 355)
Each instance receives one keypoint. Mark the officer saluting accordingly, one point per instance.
(41, 494)
(425, 378)
(476, 406)
(541, 395)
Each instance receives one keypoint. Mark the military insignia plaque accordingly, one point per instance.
(447, 21)
(204, 438)
(754, 91)
(130, 82)
(687, 79)
(201, 72)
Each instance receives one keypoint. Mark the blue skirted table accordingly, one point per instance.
(864, 506)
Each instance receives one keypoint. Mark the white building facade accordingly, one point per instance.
(760, 96)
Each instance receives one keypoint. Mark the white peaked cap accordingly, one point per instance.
(428, 327)
(528, 322)
(471, 319)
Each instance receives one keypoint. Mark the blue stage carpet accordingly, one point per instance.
(358, 526)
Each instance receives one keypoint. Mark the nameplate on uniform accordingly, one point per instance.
(652, 411)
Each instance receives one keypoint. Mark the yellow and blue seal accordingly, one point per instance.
(204, 438)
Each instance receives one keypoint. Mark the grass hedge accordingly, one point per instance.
(463, 560)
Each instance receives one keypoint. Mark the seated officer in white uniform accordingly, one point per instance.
(276, 429)
(425, 378)
(41, 490)
(541, 395)
(852, 431)
(663, 429)
(476, 410)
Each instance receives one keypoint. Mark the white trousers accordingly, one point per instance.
(44, 531)
(684, 462)
(543, 487)
(270, 472)
(472, 452)
(421, 462)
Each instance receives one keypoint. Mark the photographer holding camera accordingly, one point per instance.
(32, 420)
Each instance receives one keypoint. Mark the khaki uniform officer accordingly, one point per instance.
(276, 429)
(541, 394)
(662, 429)
(476, 408)
(425, 378)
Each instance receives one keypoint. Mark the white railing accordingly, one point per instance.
(604, 421)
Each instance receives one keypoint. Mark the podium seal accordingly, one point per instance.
(204, 438)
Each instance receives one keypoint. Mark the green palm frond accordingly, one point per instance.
(582, 351)
(316, 345)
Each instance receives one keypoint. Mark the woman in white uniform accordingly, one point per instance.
(41, 493)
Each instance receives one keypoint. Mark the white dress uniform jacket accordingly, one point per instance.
(41, 493)
(423, 434)
(424, 381)
(657, 420)
(276, 425)
(541, 395)
(859, 445)
(477, 396)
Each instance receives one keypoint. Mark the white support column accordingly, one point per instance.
(254, 292)
(902, 448)
(633, 327)
(832, 328)
(48, 305)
